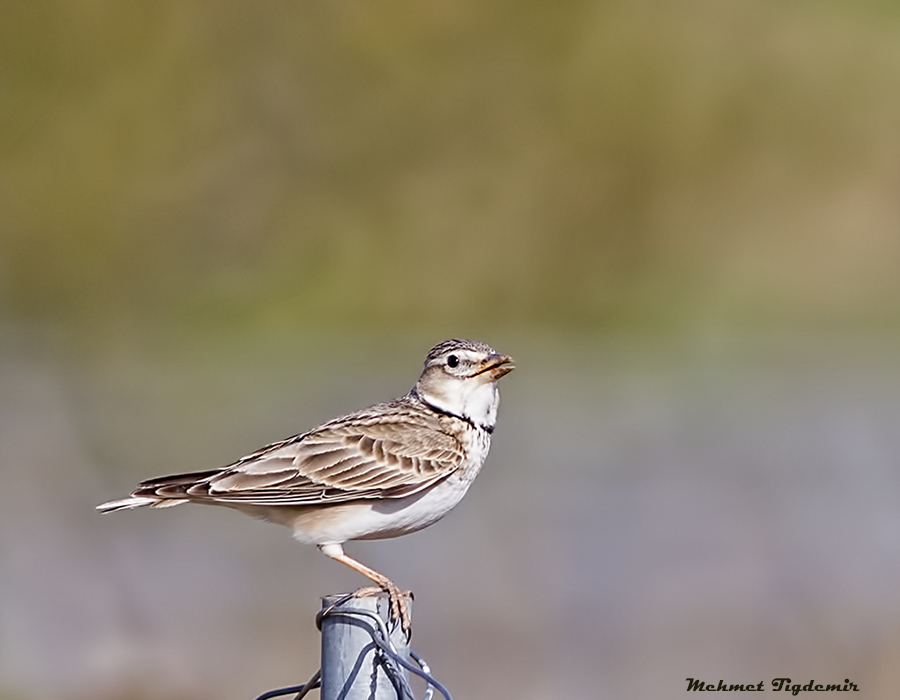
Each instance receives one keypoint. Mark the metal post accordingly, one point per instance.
(352, 666)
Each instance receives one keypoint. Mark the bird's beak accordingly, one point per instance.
(496, 366)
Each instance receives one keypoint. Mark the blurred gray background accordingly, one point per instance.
(224, 222)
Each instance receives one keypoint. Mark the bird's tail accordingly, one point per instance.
(138, 502)
(161, 492)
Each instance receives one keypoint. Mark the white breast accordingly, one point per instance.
(374, 520)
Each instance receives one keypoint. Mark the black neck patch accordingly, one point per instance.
(444, 412)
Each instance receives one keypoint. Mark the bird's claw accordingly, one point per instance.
(399, 607)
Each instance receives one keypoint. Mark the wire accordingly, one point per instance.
(301, 690)
(387, 656)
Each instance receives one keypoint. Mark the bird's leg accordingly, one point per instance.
(399, 608)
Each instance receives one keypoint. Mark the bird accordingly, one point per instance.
(384, 471)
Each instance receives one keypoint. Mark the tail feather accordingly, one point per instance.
(161, 492)
(138, 502)
(187, 479)
(125, 504)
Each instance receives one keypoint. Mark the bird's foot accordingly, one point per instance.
(399, 607)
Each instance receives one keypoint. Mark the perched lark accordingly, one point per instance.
(384, 471)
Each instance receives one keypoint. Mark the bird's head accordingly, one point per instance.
(460, 378)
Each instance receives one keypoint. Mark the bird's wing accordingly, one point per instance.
(371, 454)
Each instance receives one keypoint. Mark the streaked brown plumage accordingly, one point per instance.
(390, 450)
(387, 470)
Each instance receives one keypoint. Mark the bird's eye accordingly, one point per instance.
(452, 361)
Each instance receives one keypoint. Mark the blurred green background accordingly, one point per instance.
(571, 164)
(224, 222)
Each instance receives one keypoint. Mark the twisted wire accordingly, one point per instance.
(387, 655)
(301, 690)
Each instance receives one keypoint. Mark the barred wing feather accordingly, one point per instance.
(366, 455)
